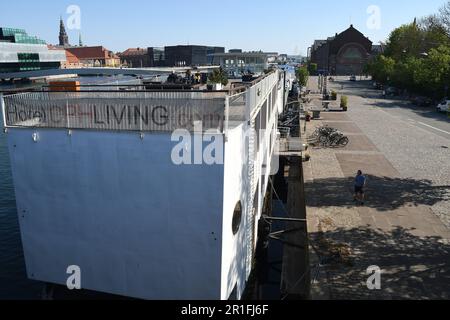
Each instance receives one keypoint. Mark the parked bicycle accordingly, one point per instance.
(324, 131)
(336, 139)
(329, 137)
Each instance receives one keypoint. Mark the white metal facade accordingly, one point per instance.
(9, 52)
(114, 203)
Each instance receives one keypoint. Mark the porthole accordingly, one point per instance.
(237, 218)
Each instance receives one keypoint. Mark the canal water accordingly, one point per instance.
(13, 279)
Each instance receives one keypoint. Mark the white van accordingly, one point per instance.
(444, 106)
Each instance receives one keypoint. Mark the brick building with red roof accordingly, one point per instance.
(97, 56)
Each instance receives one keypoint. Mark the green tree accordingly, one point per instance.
(444, 17)
(403, 73)
(405, 41)
(433, 75)
(381, 68)
(302, 76)
(219, 76)
(434, 32)
(417, 57)
(344, 103)
(312, 68)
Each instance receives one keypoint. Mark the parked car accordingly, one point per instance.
(422, 101)
(353, 78)
(378, 86)
(391, 91)
(444, 106)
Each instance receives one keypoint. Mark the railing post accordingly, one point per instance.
(3, 107)
(248, 111)
(67, 114)
(140, 115)
(227, 117)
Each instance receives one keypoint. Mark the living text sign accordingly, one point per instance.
(109, 113)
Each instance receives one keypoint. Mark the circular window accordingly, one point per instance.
(237, 218)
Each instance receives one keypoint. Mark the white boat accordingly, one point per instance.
(152, 195)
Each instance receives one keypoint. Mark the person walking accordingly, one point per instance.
(360, 183)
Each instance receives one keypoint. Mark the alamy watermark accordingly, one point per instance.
(74, 20)
(374, 280)
(208, 148)
(374, 20)
(74, 280)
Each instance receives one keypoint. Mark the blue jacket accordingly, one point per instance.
(360, 181)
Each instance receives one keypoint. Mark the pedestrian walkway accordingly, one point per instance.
(396, 230)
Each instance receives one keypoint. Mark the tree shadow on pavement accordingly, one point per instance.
(412, 267)
(382, 193)
(364, 89)
(425, 112)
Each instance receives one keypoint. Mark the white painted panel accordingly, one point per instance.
(115, 205)
(235, 185)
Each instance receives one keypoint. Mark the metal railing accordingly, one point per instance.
(257, 94)
(126, 111)
(154, 111)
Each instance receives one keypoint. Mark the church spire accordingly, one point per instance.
(63, 37)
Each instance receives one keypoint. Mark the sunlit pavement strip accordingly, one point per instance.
(410, 121)
(427, 125)
(414, 122)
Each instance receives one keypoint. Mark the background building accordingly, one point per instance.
(143, 58)
(21, 52)
(237, 63)
(171, 56)
(97, 56)
(190, 55)
(157, 57)
(135, 58)
(344, 54)
(71, 62)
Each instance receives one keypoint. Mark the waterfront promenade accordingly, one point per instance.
(403, 227)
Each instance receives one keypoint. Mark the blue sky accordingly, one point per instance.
(287, 26)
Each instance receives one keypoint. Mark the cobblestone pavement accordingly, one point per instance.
(402, 227)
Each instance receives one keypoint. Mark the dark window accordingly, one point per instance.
(264, 116)
(274, 97)
(237, 218)
(257, 132)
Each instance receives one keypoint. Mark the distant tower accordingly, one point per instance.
(63, 38)
(80, 42)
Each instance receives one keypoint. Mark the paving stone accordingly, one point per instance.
(345, 127)
(337, 116)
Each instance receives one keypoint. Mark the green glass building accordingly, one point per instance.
(22, 52)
